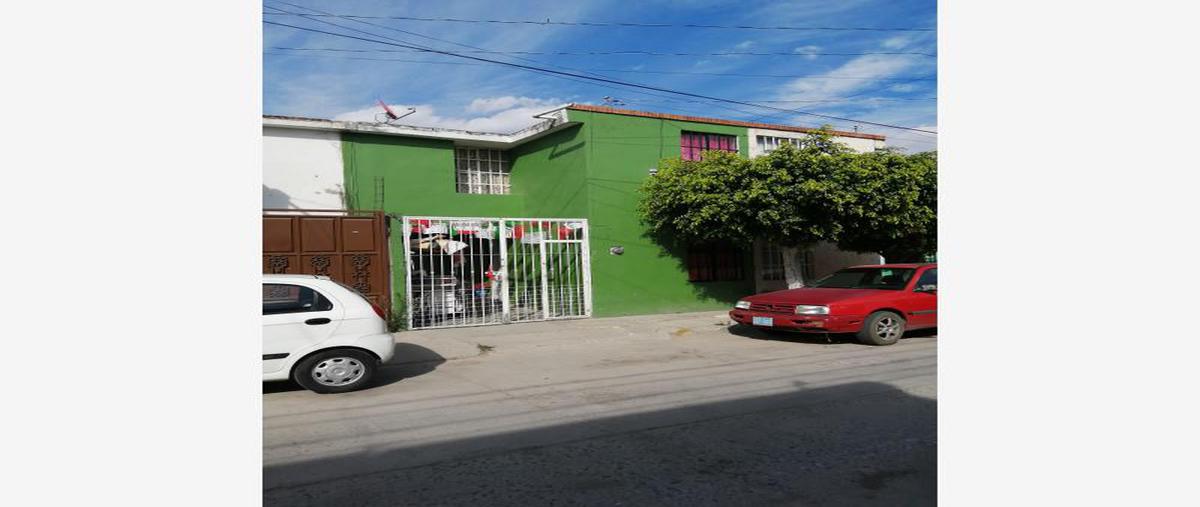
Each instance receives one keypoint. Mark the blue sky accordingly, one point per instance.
(897, 89)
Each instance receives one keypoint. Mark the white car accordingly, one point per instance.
(320, 333)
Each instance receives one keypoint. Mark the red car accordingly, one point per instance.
(877, 303)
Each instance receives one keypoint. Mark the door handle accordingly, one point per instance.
(317, 322)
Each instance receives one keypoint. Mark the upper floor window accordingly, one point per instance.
(481, 171)
(692, 144)
(767, 144)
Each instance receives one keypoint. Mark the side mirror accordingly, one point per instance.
(927, 288)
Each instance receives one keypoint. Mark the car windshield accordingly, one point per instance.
(866, 278)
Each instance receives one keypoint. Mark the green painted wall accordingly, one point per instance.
(417, 178)
(647, 277)
(550, 173)
(587, 171)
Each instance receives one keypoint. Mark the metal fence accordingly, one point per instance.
(480, 271)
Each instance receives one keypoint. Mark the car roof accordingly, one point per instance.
(910, 265)
(293, 277)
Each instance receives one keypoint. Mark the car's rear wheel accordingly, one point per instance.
(335, 371)
(882, 328)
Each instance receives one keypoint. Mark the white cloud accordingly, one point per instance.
(902, 88)
(870, 67)
(491, 114)
(809, 52)
(744, 45)
(492, 104)
(897, 42)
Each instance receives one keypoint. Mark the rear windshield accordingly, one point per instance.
(867, 278)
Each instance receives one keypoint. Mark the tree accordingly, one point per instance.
(894, 208)
(792, 197)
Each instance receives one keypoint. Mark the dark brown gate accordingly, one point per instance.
(347, 246)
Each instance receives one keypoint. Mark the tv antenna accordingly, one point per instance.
(612, 101)
(388, 115)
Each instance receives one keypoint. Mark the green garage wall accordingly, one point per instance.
(591, 171)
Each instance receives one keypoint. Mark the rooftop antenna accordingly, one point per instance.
(388, 115)
(612, 101)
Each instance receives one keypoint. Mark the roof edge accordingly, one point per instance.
(718, 121)
(549, 124)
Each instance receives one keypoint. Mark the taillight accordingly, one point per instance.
(378, 310)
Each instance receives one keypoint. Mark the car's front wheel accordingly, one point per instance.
(881, 328)
(335, 371)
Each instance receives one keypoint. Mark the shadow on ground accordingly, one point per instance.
(815, 338)
(862, 443)
(408, 361)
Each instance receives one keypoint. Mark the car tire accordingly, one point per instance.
(335, 371)
(882, 328)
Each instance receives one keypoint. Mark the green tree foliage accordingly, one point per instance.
(882, 202)
(790, 196)
(894, 205)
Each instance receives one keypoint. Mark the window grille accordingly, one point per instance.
(772, 261)
(693, 144)
(481, 171)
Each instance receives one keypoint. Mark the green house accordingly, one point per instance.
(536, 224)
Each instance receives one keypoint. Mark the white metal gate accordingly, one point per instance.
(480, 271)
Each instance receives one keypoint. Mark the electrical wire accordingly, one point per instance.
(613, 81)
(548, 22)
(725, 74)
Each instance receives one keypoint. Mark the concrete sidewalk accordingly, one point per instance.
(465, 342)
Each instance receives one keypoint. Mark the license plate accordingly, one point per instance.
(762, 321)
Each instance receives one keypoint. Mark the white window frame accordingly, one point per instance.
(767, 144)
(482, 171)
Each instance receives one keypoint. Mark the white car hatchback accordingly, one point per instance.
(322, 334)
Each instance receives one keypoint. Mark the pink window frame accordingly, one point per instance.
(693, 144)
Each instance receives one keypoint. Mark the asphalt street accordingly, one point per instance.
(650, 410)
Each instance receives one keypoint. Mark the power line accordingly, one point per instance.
(586, 71)
(861, 78)
(311, 16)
(633, 85)
(724, 74)
(405, 32)
(864, 92)
(642, 52)
(540, 72)
(661, 98)
(548, 22)
(553, 75)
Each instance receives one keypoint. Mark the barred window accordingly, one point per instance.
(772, 261)
(715, 263)
(481, 171)
(692, 144)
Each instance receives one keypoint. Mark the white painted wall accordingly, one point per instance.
(302, 169)
(857, 144)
